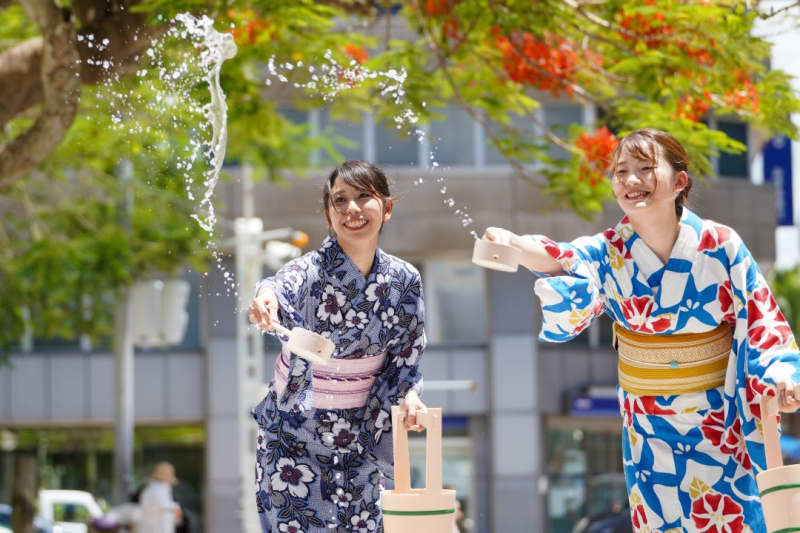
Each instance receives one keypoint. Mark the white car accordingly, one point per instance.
(68, 510)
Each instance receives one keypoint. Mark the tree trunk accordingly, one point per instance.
(23, 500)
(50, 70)
(61, 89)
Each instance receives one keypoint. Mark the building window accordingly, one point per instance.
(395, 146)
(734, 165)
(455, 302)
(295, 116)
(558, 119)
(452, 138)
(524, 125)
(584, 471)
(347, 134)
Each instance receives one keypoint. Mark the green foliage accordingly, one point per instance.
(785, 285)
(667, 64)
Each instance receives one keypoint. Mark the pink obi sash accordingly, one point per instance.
(341, 384)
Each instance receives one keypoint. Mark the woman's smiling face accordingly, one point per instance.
(641, 184)
(356, 215)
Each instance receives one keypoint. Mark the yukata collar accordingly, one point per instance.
(675, 273)
(684, 247)
(335, 258)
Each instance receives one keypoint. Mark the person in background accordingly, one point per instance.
(159, 511)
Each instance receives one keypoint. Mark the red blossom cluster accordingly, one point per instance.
(547, 63)
(693, 107)
(438, 7)
(655, 31)
(247, 26)
(597, 149)
(652, 30)
(745, 95)
(359, 53)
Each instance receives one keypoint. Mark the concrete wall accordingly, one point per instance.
(422, 226)
(67, 389)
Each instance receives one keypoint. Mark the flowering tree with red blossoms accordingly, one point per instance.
(668, 64)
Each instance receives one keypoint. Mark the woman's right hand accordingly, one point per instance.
(534, 256)
(500, 236)
(263, 310)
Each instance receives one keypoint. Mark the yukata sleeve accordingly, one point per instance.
(571, 301)
(401, 371)
(763, 344)
(291, 285)
(763, 341)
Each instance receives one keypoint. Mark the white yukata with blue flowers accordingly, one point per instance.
(690, 460)
(322, 470)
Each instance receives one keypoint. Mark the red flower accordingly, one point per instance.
(753, 392)
(638, 517)
(555, 251)
(745, 95)
(714, 237)
(713, 426)
(725, 299)
(717, 513)
(650, 29)
(438, 7)
(597, 149)
(734, 445)
(616, 241)
(638, 311)
(766, 326)
(642, 405)
(547, 63)
(693, 107)
(356, 52)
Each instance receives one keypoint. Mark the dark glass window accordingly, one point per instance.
(734, 165)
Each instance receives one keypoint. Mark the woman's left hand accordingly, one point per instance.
(788, 396)
(413, 405)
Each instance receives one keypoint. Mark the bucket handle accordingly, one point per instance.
(769, 423)
(432, 421)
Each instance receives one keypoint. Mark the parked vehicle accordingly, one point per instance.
(68, 510)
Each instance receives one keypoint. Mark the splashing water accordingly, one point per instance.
(331, 79)
(216, 48)
(168, 106)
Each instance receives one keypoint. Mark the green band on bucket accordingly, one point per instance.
(781, 487)
(419, 513)
(786, 530)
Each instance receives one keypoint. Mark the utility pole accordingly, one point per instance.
(123, 365)
(249, 363)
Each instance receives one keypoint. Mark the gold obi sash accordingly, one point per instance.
(663, 365)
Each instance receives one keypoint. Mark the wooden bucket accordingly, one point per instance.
(496, 256)
(778, 485)
(428, 510)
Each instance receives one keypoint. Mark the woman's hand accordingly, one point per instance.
(263, 310)
(501, 236)
(788, 396)
(413, 405)
(534, 256)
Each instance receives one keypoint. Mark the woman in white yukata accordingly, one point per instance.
(698, 333)
(324, 443)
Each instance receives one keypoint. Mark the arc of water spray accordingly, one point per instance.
(219, 47)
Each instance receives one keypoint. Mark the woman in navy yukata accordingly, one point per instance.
(324, 442)
(699, 336)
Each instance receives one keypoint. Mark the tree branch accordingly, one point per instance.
(61, 91)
